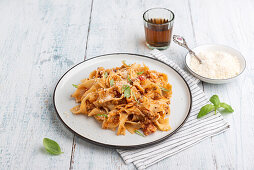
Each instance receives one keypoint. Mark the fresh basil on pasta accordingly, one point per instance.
(120, 99)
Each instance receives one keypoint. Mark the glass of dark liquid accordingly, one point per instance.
(158, 23)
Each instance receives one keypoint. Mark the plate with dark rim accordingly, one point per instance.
(90, 130)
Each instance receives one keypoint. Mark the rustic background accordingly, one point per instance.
(41, 39)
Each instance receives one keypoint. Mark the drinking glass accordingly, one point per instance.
(158, 23)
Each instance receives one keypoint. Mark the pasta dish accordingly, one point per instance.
(131, 97)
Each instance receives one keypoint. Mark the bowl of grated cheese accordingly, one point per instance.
(220, 64)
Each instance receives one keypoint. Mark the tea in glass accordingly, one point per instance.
(158, 23)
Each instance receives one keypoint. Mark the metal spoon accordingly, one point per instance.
(181, 41)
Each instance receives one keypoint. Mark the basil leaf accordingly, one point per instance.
(215, 100)
(135, 97)
(124, 62)
(163, 89)
(106, 74)
(139, 73)
(111, 82)
(128, 78)
(127, 91)
(104, 115)
(227, 108)
(74, 85)
(51, 146)
(139, 133)
(205, 110)
(217, 105)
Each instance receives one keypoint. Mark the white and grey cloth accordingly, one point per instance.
(192, 132)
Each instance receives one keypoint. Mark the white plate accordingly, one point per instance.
(89, 129)
(216, 47)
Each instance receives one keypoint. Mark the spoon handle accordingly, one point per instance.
(181, 41)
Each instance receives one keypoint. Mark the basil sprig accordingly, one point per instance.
(139, 133)
(205, 109)
(104, 115)
(163, 89)
(74, 85)
(127, 91)
(52, 146)
(135, 97)
(139, 73)
(227, 107)
(216, 104)
(111, 82)
(129, 79)
(106, 74)
(124, 62)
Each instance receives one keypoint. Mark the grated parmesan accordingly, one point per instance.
(216, 65)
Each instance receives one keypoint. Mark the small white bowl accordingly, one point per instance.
(216, 48)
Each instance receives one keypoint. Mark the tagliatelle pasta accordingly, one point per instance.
(130, 97)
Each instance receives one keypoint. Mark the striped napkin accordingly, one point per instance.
(191, 132)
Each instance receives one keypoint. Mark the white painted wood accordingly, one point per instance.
(40, 40)
(230, 25)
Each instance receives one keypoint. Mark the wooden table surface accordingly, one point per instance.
(41, 39)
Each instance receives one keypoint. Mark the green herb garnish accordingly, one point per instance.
(124, 62)
(205, 109)
(139, 73)
(139, 133)
(106, 74)
(216, 104)
(129, 79)
(111, 82)
(127, 91)
(227, 107)
(74, 85)
(104, 115)
(51, 146)
(135, 97)
(163, 89)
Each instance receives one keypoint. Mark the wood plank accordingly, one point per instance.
(117, 26)
(228, 22)
(40, 40)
